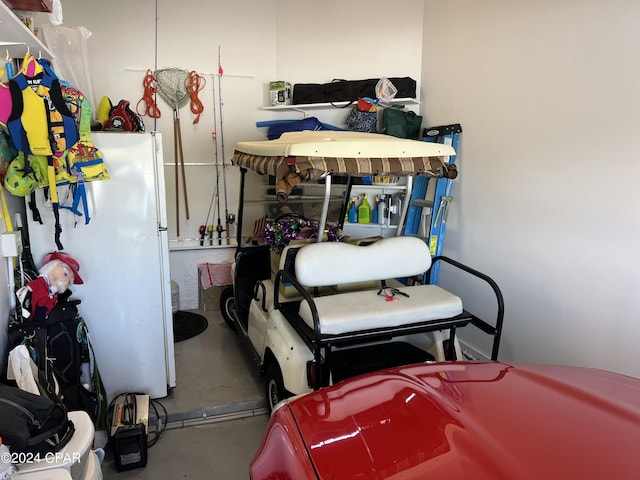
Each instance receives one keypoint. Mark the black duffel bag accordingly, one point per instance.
(348, 90)
(32, 424)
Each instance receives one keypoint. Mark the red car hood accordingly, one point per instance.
(476, 421)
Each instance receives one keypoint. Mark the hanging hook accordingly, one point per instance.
(7, 58)
(28, 49)
(39, 55)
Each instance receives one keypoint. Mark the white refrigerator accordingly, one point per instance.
(124, 262)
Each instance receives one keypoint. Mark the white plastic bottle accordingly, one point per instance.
(383, 209)
(7, 470)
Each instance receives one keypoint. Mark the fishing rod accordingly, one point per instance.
(214, 136)
(219, 228)
(224, 163)
(203, 228)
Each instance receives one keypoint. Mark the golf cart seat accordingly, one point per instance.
(264, 289)
(329, 263)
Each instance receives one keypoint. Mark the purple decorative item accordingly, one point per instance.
(278, 234)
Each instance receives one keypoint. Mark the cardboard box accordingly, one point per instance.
(209, 299)
(280, 93)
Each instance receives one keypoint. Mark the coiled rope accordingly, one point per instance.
(150, 85)
(194, 84)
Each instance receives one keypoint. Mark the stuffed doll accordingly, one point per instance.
(38, 297)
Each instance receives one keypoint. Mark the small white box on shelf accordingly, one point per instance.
(280, 93)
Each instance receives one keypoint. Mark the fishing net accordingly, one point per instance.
(171, 86)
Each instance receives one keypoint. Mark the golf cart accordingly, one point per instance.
(322, 311)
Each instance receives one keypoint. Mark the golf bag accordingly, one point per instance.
(61, 349)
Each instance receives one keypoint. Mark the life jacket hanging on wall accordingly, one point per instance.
(84, 162)
(40, 116)
(41, 124)
(52, 118)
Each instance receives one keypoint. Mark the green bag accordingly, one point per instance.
(400, 123)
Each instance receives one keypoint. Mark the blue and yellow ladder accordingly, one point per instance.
(448, 135)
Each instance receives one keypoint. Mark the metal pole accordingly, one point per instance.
(243, 173)
(405, 205)
(325, 207)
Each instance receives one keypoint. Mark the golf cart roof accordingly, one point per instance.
(342, 152)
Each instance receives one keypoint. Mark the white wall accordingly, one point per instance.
(321, 41)
(547, 197)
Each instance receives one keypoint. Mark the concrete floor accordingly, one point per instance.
(216, 415)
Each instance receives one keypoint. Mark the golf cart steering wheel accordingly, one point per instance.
(291, 216)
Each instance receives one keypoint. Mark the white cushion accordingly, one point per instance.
(354, 311)
(334, 263)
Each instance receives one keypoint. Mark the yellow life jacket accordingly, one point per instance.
(40, 122)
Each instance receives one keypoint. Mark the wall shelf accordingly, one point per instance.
(31, 5)
(16, 39)
(381, 226)
(307, 106)
(381, 186)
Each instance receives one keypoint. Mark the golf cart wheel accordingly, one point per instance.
(228, 307)
(274, 387)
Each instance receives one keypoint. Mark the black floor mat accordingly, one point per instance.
(187, 325)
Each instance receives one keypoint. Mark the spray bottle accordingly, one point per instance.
(364, 210)
(353, 211)
(383, 210)
(374, 209)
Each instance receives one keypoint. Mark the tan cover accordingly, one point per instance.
(312, 154)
